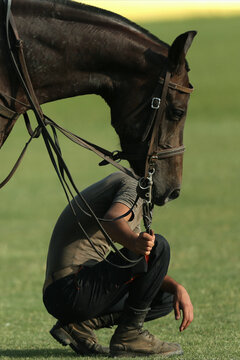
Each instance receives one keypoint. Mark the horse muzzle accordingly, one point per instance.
(161, 200)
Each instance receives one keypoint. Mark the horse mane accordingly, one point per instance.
(111, 15)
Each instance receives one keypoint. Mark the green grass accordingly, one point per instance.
(202, 226)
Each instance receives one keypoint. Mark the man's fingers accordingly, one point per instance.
(184, 325)
(147, 237)
(177, 311)
(182, 302)
(187, 319)
(145, 243)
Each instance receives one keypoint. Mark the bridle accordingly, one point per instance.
(158, 105)
(156, 118)
(157, 114)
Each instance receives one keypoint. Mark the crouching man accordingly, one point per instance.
(86, 293)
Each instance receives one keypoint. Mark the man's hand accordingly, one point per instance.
(182, 302)
(144, 243)
(121, 232)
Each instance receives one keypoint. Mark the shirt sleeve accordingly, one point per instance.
(126, 192)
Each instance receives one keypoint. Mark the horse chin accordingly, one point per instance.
(161, 200)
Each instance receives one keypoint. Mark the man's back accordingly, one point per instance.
(69, 246)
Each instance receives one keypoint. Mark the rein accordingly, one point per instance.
(145, 184)
(51, 145)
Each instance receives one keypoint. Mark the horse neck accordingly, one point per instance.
(75, 50)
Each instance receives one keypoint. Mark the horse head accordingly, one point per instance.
(111, 57)
(136, 130)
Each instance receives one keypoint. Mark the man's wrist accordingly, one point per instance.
(170, 285)
(129, 242)
(178, 287)
(133, 242)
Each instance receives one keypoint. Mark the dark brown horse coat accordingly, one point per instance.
(73, 49)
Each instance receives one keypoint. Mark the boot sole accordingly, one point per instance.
(65, 339)
(137, 354)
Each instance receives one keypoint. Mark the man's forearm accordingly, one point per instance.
(121, 233)
(169, 285)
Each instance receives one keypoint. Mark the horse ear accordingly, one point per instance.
(179, 49)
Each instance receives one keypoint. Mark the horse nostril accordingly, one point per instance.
(174, 194)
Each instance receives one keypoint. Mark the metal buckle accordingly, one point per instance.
(144, 188)
(155, 103)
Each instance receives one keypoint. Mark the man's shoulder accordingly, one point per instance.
(115, 183)
(121, 177)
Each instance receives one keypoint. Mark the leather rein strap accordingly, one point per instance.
(157, 104)
(52, 147)
(42, 119)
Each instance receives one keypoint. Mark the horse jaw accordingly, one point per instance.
(5, 128)
(168, 172)
(167, 180)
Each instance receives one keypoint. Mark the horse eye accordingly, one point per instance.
(178, 113)
(175, 114)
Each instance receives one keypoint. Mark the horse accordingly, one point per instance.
(74, 49)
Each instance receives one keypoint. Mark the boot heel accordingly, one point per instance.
(61, 336)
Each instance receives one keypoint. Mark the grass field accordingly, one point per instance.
(202, 226)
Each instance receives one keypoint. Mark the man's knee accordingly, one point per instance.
(162, 245)
(161, 306)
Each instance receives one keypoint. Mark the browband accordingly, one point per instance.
(174, 86)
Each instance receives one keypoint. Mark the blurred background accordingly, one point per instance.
(202, 226)
(151, 10)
